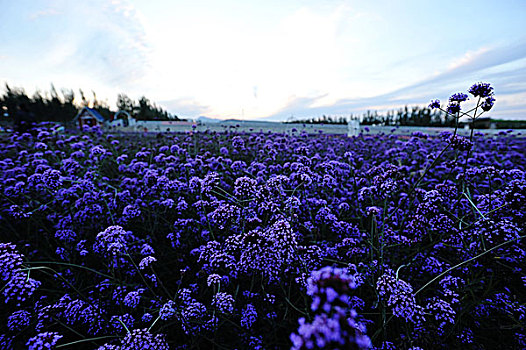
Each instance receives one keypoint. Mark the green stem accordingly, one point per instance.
(466, 261)
(85, 340)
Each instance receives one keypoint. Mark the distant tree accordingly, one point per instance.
(125, 103)
(52, 106)
(84, 101)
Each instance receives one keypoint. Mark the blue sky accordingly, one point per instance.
(268, 59)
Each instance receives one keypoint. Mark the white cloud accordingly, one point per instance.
(467, 59)
(99, 45)
(220, 61)
(185, 107)
(503, 66)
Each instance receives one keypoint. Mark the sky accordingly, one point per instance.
(268, 59)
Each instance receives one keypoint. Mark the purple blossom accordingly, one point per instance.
(146, 262)
(112, 240)
(43, 341)
(400, 298)
(458, 97)
(132, 299)
(18, 320)
(333, 326)
(10, 261)
(213, 279)
(434, 104)
(488, 103)
(19, 288)
(481, 90)
(453, 107)
(167, 311)
(248, 316)
(139, 339)
(223, 302)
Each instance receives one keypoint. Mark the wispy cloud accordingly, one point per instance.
(472, 62)
(100, 42)
(112, 43)
(510, 85)
(186, 107)
(50, 11)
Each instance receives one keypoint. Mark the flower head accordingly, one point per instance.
(434, 104)
(453, 107)
(481, 90)
(147, 261)
(113, 240)
(224, 302)
(139, 339)
(167, 311)
(10, 261)
(43, 341)
(488, 103)
(458, 97)
(213, 279)
(18, 320)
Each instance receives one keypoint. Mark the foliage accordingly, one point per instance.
(62, 107)
(414, 116)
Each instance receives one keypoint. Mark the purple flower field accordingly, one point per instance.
(233, 240)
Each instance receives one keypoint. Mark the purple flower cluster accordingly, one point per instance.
(139, 339)
(223, 302)
(400, 297)
(43, 341)
(480, 90)
(17, 285)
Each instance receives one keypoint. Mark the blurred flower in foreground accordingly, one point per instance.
(334, 325)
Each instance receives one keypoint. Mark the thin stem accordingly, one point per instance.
(72, 265)
(466, 261)
(86, 340)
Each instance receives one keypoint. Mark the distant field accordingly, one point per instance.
(250, 126)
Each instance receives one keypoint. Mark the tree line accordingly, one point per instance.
(62, 106)
(407, 116)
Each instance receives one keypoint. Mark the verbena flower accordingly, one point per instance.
(453, 108)
(400, 298)
(223, 302)
(117, 322)
(18, 320)
(140, 339)
(97, 150)
(488, 104)
(10, 261)
(146, 262)
(133, 298)
(131, 212)
(245, 187)
(481, 90)
(193, 318)
(112, 240)
(434, 104)
(147, 317)
(213, 279)
(20, 288)
(460, 143)
(248, 316)
(43, 341)
(334, 325)
(458, 97)
(167, 311)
